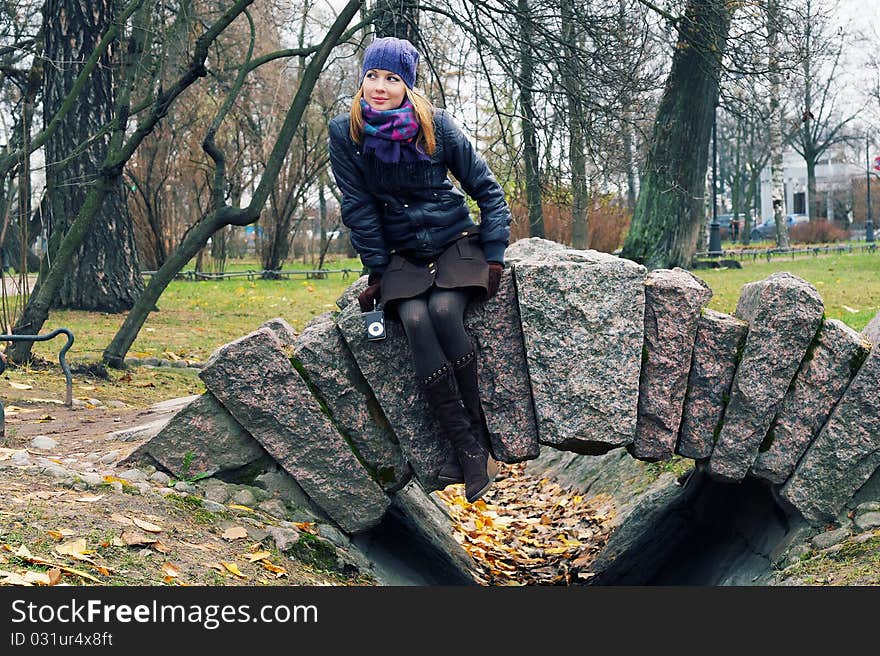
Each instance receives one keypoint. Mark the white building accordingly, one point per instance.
(832, 174)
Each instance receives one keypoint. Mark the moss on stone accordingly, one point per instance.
(314, 551)
(325, 409)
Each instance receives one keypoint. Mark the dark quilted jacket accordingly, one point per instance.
(416, 207)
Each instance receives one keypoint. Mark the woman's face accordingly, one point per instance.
(383, 89)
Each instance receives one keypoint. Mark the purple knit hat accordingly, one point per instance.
(392, 54)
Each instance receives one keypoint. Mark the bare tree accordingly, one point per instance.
(222, 214)
(122, 145)
(671, 207)
(821, 124)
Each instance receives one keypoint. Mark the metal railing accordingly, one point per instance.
(770, 253)
(68, 396)
(252, 274)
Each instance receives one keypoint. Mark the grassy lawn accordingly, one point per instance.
(194, 318)
(848, 283)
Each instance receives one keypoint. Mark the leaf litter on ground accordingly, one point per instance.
(529, 531)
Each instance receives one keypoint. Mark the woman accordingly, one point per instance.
(411, 227)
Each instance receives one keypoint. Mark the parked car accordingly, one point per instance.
(767, 230)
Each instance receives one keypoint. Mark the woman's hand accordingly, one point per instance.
(367, 298)
(495, 269)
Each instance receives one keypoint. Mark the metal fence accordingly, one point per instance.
(769, 253)
(252, 274)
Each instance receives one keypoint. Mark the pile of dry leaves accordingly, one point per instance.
(529, 531)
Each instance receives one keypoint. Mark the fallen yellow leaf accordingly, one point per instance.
(240, 507)
(275, 569)
(133, 538)
(232, 567)
(11, 578)
(91, 498)
(170, 570)
(74, 548)
(40, 578)
(147, 526)
(114, 479)
(254, 557)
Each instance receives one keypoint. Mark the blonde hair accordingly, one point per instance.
(427, 140)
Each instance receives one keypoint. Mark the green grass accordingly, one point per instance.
(194, 318)
(849, 284)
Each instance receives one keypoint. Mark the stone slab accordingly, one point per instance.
(254, 379)
(718, 346)
(322, 356)
(387, 367)
(285, 333)
(503, 374)
(202, 438)
(582, 315)
(673, 301)
(351, 292)
(784, 312)
(872, 330)
(845, 453)
(831, 363)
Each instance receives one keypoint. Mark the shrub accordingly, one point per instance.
(817, 232)
(609, 221)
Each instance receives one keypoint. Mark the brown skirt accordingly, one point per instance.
(461, 266)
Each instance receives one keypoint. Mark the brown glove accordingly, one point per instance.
(367, 299)
(495, 269)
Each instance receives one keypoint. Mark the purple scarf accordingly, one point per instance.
(391, 134)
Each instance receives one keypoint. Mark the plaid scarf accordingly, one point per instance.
(391, 134)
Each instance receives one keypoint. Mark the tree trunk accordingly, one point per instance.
(776, 145)
(121, 148)
(530, 140)
(812, 200)
(736, 187)
(106, 275)
(576, 157)
(671, 205)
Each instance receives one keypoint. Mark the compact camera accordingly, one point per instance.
(375, 324)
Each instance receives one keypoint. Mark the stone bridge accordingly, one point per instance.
(579, 351)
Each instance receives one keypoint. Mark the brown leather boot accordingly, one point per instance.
(478, 468)
(450, 472)
(465, 369)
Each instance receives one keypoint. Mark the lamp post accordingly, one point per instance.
(869, 221)
(714, 228)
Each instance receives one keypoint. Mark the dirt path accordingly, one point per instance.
(70, 514)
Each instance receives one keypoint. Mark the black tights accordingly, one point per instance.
(434, 325)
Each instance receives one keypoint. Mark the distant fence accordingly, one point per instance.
(769, 253)
(252, 274)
